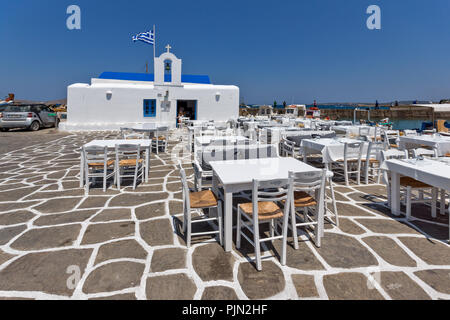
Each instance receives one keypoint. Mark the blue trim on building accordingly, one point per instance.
(186, 78)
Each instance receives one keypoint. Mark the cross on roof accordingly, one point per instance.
(168, 47)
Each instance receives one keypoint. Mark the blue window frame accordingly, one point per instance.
(149, 108)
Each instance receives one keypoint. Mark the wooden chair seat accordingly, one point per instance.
(160, 138)
(129, 162)
(348, 160)
(410, 182)
(203, 199)
(371, 160)
(303, 199)
(447, 154)
(394, 146)
(101, 164)
(266, 210)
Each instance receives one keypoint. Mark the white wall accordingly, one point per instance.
(91, 108)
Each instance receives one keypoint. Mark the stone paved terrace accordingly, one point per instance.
(127, 244)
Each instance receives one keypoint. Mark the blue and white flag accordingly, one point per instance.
(147, 37)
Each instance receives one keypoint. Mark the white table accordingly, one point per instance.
(330, 149)
(353, 130)
(206, 140)
(442, 144)
(237, 175)
(111, 145)
(432, 172)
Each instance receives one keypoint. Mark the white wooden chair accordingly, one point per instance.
(97, 165)
(267, 197)
(391, 138)
(351, 164)
(422, 152)
(407, 185)
(308, 197)
(372, 161)
(160, 139)
(129, 163)
(198, 202)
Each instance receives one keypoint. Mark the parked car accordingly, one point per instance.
(28, 116)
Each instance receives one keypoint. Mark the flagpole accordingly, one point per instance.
(154, 43)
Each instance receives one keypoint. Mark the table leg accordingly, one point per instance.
(228, 219)
(395, 193)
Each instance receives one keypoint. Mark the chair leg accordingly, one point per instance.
(220, 221)
(257, 247)
(188, 233)
(333, 200)
(238, 229)
(105, 172)
(367, 172)
(318, 228)
(346, 174)
(408, 203)
(294, 227)
(272, 229)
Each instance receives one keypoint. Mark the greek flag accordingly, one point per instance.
(147, 37)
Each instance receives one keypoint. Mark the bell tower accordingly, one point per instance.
(174, 66)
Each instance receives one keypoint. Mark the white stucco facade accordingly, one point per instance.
(108, 104)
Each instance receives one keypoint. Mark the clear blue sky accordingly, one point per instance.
(297, 50)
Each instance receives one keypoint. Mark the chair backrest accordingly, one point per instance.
(271, 191)
(132, 151)
(133, 136)
(424, 152)
(353, 150)
(410, 132)
(95, 154)
(308, 181)
(364, 131)
(374, 149)
(393, 154)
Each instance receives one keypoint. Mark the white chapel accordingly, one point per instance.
(116, 100)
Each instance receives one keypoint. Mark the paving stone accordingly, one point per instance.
(58, 205)
(136, 199)
(401, 287)
(158, 174)
(16, 217)
(56, 175)
(55, 194)
(305, 286)
(16, 194)
(378, 191)
(71, 185)
(347, 226)
(341, 251)
(390, 251)
(151, 211)
(64, 218)
(93, 202)
(44, 238)
(114, 277)
(44, 271)
(171, 287)
(112, 215)
(12, 186)
(363, 197)
(145, 188)
(5, 257)
(261, 284)
(350, 286)
(431, 251)
(6, 234)
(168, 259)
(211, 263)
(120, 249)
(175, 207)
(102, 232)
(219, 293)
(387, 226)
(302, 259)
(157, 232)
(435, 231)
(338, 196)
(120, 297)
(174, 187)
(346, 209)
(438, 279)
